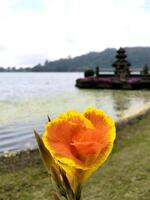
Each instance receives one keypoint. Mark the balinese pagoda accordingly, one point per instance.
(121, 79)
(121, 65)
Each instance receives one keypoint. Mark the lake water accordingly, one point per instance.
(27, 98)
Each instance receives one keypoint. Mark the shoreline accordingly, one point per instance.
(133, 116)
(29, 156)
(128, 119)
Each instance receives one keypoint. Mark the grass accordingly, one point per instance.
(124, 176)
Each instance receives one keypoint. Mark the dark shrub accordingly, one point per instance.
(89, 72)
(145, 70)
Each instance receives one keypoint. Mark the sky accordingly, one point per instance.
(32, 31)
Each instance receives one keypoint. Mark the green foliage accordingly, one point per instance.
(2, 69)
(97, 71)
(89, 72)
(145, 70)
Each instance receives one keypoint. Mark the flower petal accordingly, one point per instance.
(106, 126)
(80, 143)
(101, 159)
(101, 121)
(59, 133)
(88, 144)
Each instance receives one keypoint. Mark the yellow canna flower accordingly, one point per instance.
(79, 142)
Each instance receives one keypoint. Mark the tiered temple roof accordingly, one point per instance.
(121, 65)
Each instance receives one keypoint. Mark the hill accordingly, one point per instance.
(137, 56)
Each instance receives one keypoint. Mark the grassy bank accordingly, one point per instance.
(125, 176)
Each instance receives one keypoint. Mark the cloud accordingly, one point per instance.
(29, 59)
(146, 6)
(28, 5)
(58, 28)
(3, 48)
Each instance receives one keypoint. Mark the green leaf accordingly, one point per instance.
(49, 119)
(69, 190)
(78, 192)
(56, 175)
(56, 197)
(45, 154)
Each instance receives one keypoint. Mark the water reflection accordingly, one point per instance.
(127, 100)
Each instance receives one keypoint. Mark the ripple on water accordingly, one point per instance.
(27, 98)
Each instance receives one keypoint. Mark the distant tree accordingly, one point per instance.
(8, 69)
(38, 68)
(2, 69)
(21, 69)
(13, 69)
(89, 72)
(28, 69)
(46, 63)
(145, 70)
(97, 71)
